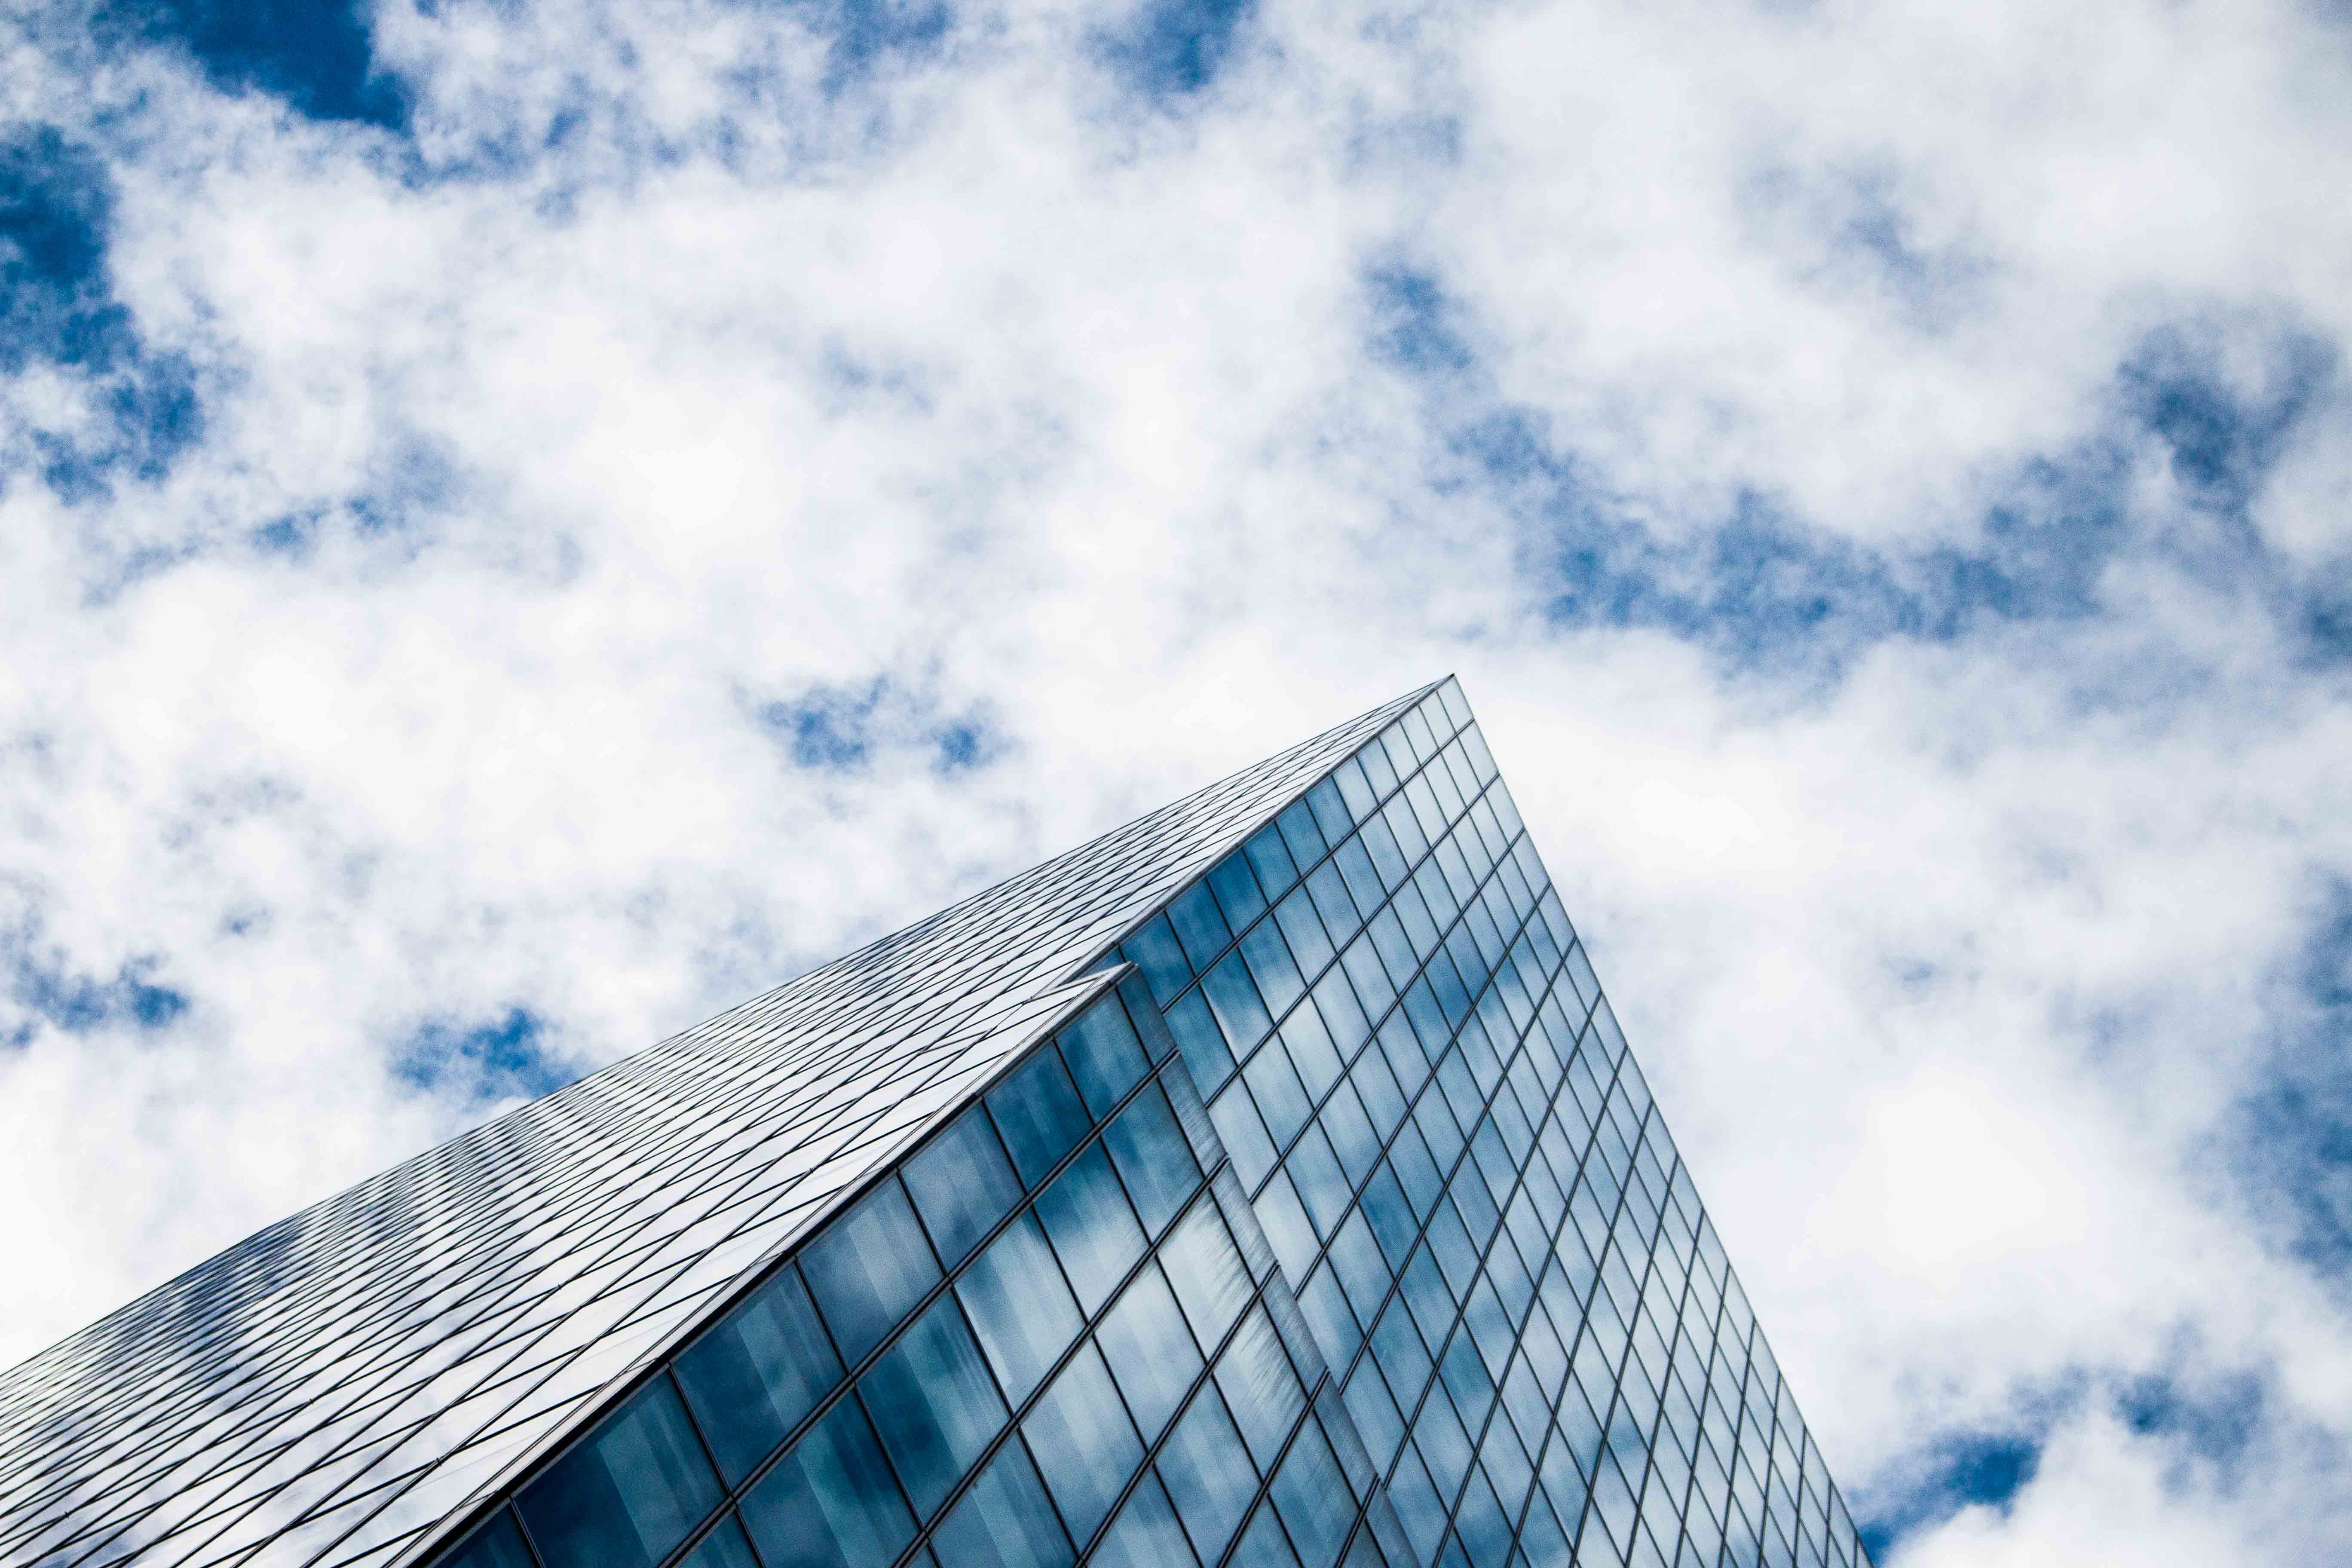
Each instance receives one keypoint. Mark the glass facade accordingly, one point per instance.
(1264, 1183)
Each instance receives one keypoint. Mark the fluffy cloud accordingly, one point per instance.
(523, 524)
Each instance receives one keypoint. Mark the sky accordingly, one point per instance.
(523, 522)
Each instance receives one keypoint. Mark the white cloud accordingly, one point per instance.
(429, 685)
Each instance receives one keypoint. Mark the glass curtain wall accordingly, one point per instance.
(1342, 1231)
(1036, 1339)
(1432, 1111)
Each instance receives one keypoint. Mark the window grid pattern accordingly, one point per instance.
(1144, 1394)
(1431, 1105)
(332, 1391)
(1422, 1281)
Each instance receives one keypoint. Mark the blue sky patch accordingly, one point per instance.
(849, 729)
(58, 308)
(1169, 48)
(318, 56)
(499, 1059)
(48, 988)
(1963, 1470)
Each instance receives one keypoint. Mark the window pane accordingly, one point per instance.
(629, 1493)
(1154, 950)
(831, 1502)
(1233, 998)
(751, 1379)
(868, 1268)
(934, 1404)
(1150, 1351)
(1093, 1229)
(1301, 833)
(497, 1544)
(1103, 1055)
(1271, 860)
(1303, 928)
(1203, 1043)
(1019, 1306)
(1004, 1521)
(1308, 1039)
(722, 1547)
(1243, 1134)
(1152, 1157)
(1313, 1499)
(1263, 1546)
(1270, 964)
(1280, 1098)
(1038, 1111)
(1260, 1388)
(1146, 1534)
(1236, 890)
(1199, 925)
(1208, 1474)
(1212, 1283)
(1083, 1441)
(962, 1185)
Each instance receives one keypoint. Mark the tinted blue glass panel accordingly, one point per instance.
(1281, 1099)
(1083, 1441)
(1038, 1110)
(1200, 925)
(1263, 1544)
(1004, 1521)
(751, 1379)
(961, 1185)
(1261, 1391)
(1146, 1534)
(1151, 1352)
(1301, 834)
(1021, 1309)
(1313, 1498)
(1271, 861)
(1154, 950)
(1270, 964)
(933, 1404)
(1104, 1056)
(868, 1268)
(497, 1544)
(629, 1493)
(1302, 927)
(831, 1502)
(1203, 1043)
(1153, 1159)
(1330, 811)
(1213, 1286)
(1232, 998)
(1208, 1474)
(1237, 892)
(724, 1547)
(1093, 1229)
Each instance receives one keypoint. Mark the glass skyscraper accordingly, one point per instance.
(1263, 1185)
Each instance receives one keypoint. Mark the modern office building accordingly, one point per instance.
(1264, 1183)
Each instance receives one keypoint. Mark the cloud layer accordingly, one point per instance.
(521, 524)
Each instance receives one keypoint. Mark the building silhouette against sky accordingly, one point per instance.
(1265, 1183)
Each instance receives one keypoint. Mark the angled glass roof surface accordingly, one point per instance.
(328, 1388)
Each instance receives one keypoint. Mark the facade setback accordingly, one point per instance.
(1263, 1185)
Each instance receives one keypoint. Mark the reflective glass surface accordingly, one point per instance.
(1339, 1228)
